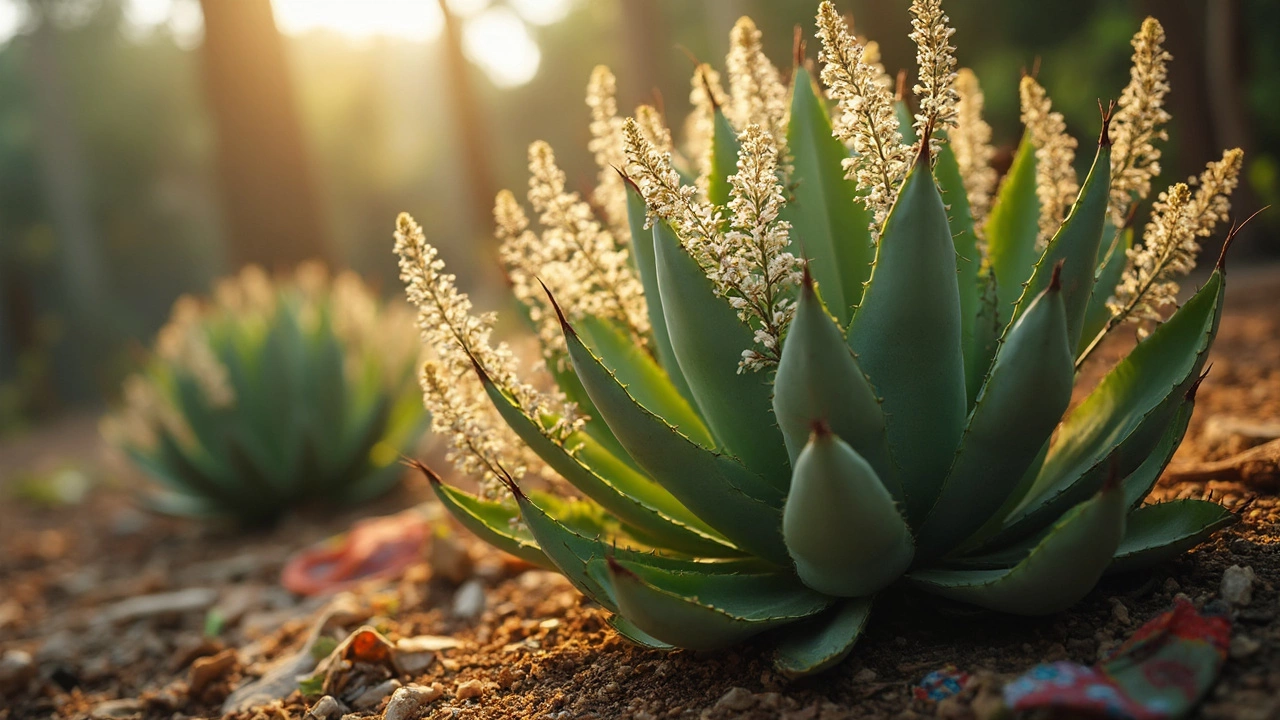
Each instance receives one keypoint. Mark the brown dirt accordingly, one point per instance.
(539, 650)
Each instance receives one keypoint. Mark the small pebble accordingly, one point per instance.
(206, 670)
(470, 689)
(469, 601)
(1120, 612)
(738, 698)
(1237, 585)
(326, 708)
(1242, 646)
(16, 669)
(118, 709)
(371, 697)
(406, 701)
(865, 675)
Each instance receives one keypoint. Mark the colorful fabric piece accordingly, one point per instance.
(941, 684)
(1160, 672)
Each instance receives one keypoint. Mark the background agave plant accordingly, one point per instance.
(272, 395)
(762, 444)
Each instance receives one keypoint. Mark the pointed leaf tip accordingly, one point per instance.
(900, 92)
(1191, 391)
(819, 428)
(1221, 265)
(564, 322)
(926, 154)
(1113, 476)
(616, 567)
(797, 46)
(626, 178)
(1055, 281)
(1104, 139)
(505, 478)
(431, 475)
(706, 86)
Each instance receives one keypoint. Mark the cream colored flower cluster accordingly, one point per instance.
(755, 270)
(868, 123)
(461, 342)
(1056, 182)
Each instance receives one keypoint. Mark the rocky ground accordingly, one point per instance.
(109, 612)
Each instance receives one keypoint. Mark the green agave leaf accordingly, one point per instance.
(829, 224)
(169, 466)
(706, 612)
(709, 339)
(495, 523)
(631, 496)
(1123, 419)
(813, 645)
(841, 526)
(1012, 228)
(981, 351)
(1057, 573)
(906, 122)
(180, 504)
(642, 377)
(1160, 532)
(569, 384)
(727, 496)
(968, 259)
(724, 159)
(629, 631)
(818, 379)
(1075, 244)
(1106, 278)
(1028, 389)
(906, 334)
(572, 546)
(646, 265)
(1139, 483)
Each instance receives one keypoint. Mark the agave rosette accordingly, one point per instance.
(760, 444)
(274, 394)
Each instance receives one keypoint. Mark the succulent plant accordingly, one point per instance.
(761, 443)
(274, 394)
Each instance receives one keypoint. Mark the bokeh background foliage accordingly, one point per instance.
(149, 146)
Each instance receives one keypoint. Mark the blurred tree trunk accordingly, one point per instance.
(470, 125)
(64, 176)
(271, 209)
(641, 29)
(1228, 107)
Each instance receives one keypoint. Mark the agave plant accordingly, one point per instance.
(272, 395)
(816, 352)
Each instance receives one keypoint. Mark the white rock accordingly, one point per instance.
(406, 701)
(326, 708)
(738, 698)
(1237, 585)
(469, 689)
(1242, 646)
(118, 709)
(469, 600)
(371, 697)
(16, 668)
(427, 643)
